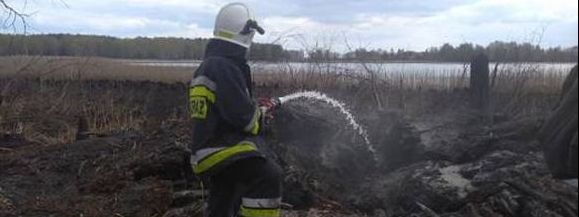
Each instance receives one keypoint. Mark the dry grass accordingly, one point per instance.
(517, 89)
(527, 77)
(43, 98)
(48, 112)
(74, 68)
(530, 77)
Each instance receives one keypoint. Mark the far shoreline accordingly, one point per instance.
(195, 61)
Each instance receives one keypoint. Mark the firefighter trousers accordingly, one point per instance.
(248, 188)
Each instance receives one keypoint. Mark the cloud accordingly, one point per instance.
(342, 12)
(283, 24)
(107, 24)
(197, 4)
(550, 23)
(409, 24)
(513, 11)
(191, 31)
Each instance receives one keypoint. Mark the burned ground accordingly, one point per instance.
(443, 162)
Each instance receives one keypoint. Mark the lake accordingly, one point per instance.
(440, 69)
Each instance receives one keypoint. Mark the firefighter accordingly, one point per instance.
(227, 124)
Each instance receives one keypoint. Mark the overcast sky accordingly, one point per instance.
(407, 24)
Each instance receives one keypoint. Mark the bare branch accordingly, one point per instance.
(12, 16)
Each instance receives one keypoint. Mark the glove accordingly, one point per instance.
(268, 104)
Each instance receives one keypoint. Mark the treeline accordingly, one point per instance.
(111, 47)
(497, 51)
(182, 48)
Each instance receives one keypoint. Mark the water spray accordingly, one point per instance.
(336, 104)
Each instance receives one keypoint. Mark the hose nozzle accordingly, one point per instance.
(277, 101)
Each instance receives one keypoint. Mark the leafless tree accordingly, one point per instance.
(11, 16)
(373, 73)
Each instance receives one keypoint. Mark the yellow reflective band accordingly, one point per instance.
(255, 129)
(208, 163)
(227, 35)
(249, 212)
(256, 122)
(202, 91)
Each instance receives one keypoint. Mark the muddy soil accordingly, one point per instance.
(118, 175)
(445, 163)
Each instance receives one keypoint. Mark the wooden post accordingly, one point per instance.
(479, 83)
(82, 132)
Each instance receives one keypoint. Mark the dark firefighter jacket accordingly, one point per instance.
(226, 121)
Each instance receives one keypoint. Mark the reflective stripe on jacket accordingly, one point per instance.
(225, 118)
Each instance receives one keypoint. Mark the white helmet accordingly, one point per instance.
(235, 24)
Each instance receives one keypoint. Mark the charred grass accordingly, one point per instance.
(44, 102)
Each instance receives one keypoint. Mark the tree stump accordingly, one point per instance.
(82, 132)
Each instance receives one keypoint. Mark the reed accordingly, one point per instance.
(43, 98)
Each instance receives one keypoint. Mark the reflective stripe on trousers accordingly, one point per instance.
(261, 203)
(206, 159)
(260, 207)
(251, 212)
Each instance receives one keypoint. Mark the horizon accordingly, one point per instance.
(386, 49)
(413, 25)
